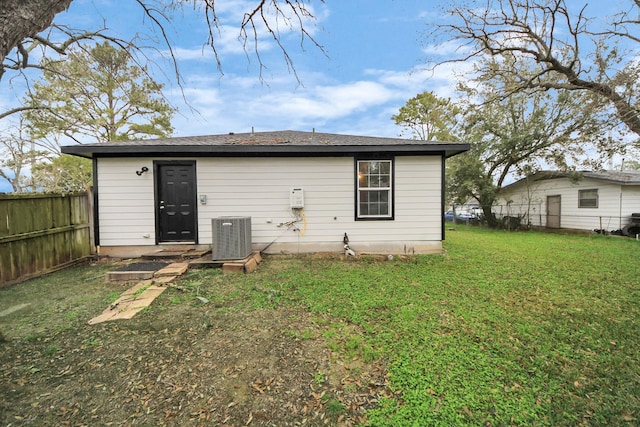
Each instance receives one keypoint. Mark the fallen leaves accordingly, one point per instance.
(261, 386)
(167, 369)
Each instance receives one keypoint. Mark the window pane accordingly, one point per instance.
(383, 209)
(385, 168)
(374, 174)
(374, 209)
(374, 202)
(374, 188)
(588, 198)
(364, 209)
(363, 174)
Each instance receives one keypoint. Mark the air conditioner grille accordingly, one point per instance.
(231, 238)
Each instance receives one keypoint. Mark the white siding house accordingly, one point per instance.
(385, 193)
(582, 200)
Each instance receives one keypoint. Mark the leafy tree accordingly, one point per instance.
(631, 165)
(516, 136)
(428, 117)
(558, 47)
(97, 95)
(62, 174)
(19, 154)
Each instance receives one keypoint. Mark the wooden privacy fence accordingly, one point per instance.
(39, 233)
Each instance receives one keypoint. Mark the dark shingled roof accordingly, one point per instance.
(623, 178)
(289, 143)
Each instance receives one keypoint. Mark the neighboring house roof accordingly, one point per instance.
(622, 178)
(291, 143)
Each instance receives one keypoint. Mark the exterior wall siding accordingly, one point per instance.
(631, 199)
(615, 203)
(260, 187)
(125, 202)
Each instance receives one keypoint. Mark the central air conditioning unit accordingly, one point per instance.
(231, 237)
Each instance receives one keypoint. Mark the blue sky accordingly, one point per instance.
(372, 48)
(372, 64)
(374, 52)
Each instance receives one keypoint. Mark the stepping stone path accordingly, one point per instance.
(153, 283)
(141, 295)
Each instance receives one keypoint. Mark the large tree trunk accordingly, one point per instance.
(20, 19)
(490, 217)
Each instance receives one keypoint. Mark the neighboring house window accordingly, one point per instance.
(588, 198)
(374, 189)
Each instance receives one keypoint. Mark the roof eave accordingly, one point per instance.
(89, 151)
(549, 175)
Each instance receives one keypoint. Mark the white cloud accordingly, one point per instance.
(235, 104)
(352, 97)
(447, 49)
(230, 39)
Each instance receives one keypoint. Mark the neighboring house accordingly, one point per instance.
(302, 190)
(577, 200)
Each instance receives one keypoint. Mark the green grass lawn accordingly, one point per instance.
(504, 329)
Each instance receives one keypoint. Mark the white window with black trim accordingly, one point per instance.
(374, 189)
(588, 198)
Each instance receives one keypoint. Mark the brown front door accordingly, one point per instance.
(553, 211)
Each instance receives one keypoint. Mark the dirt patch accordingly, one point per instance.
(189, 364)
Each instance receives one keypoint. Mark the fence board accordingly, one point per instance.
(4, 220)
(41, 232)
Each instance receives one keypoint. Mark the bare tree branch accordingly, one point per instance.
(151, 14)
(15, 111)
(22, 21)
(548, 34)
(251, 23)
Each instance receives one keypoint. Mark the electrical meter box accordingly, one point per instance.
(296, 198)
